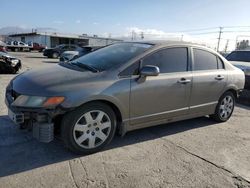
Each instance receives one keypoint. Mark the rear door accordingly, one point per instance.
(209, 81)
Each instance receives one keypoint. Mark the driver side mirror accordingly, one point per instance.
(150, 70)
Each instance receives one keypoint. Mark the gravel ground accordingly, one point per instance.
(192, 153)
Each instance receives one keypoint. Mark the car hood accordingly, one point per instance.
(66, 53)
(241, 64)
(5, 55)
(55, 80)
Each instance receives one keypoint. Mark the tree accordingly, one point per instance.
(242, 45)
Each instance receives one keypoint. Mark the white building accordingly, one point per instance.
(51, 39)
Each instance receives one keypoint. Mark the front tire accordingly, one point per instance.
(88, 128)
(224, 108)
(55, 55)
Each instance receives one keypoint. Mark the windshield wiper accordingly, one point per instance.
(84, 66)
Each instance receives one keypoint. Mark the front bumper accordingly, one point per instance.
(247, 82)
(40, 120)
(23, 114)
(46, 52)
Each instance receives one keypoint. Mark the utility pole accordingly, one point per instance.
(226, 46)
(218, 45)
(182, 37)
(142, 35)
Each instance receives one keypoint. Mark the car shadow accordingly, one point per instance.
(49, 61)
(20, 152)
(35, 57)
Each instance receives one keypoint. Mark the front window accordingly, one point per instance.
(112, 56)
(239, 56)
(169, 60)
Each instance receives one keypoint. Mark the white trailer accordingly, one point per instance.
(17, 46)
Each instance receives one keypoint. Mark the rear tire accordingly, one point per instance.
(88, 128)
(224, 108)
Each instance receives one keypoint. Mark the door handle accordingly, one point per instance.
(219, 77)
(183, 81)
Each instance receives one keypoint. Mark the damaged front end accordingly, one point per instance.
(34, 113)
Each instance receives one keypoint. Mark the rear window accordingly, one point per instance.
(239, 56)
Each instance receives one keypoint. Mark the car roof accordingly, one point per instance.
(164, 42)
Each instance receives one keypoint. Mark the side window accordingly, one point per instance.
(169, 60)
(131, 70)
(65, 47)
(220, 64)
(204, 60)
(72, 48)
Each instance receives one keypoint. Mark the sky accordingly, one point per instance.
(119, 18)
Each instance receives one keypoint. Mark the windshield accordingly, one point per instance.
(3, 53)
(239, 56)
(113, 55)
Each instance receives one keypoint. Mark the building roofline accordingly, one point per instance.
(55, 34)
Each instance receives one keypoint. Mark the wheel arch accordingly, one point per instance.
(110, 104)
(232, 90)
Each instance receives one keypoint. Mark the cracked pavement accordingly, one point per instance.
(192, 153)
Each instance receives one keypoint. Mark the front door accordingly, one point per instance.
(161, 97)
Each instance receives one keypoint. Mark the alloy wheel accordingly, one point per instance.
(92, 129)
(226, 107)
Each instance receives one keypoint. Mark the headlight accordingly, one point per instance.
(37, 101)
(14, 62)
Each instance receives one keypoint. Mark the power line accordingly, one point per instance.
(242, 26)
(203, 33)
(194, 30)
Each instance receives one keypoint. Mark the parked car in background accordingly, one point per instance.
(17, 46)
(36, 46)
(123, 87)
(71, 55)
(224, 54)
(2, 47)
(9, 64)
(241, 59)
(58, 50)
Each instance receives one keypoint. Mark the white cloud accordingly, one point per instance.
(78, 21)
(228, 39)
(23, 26)
(96, 23)
(209, 40)
(59, 22)
(154, 34)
